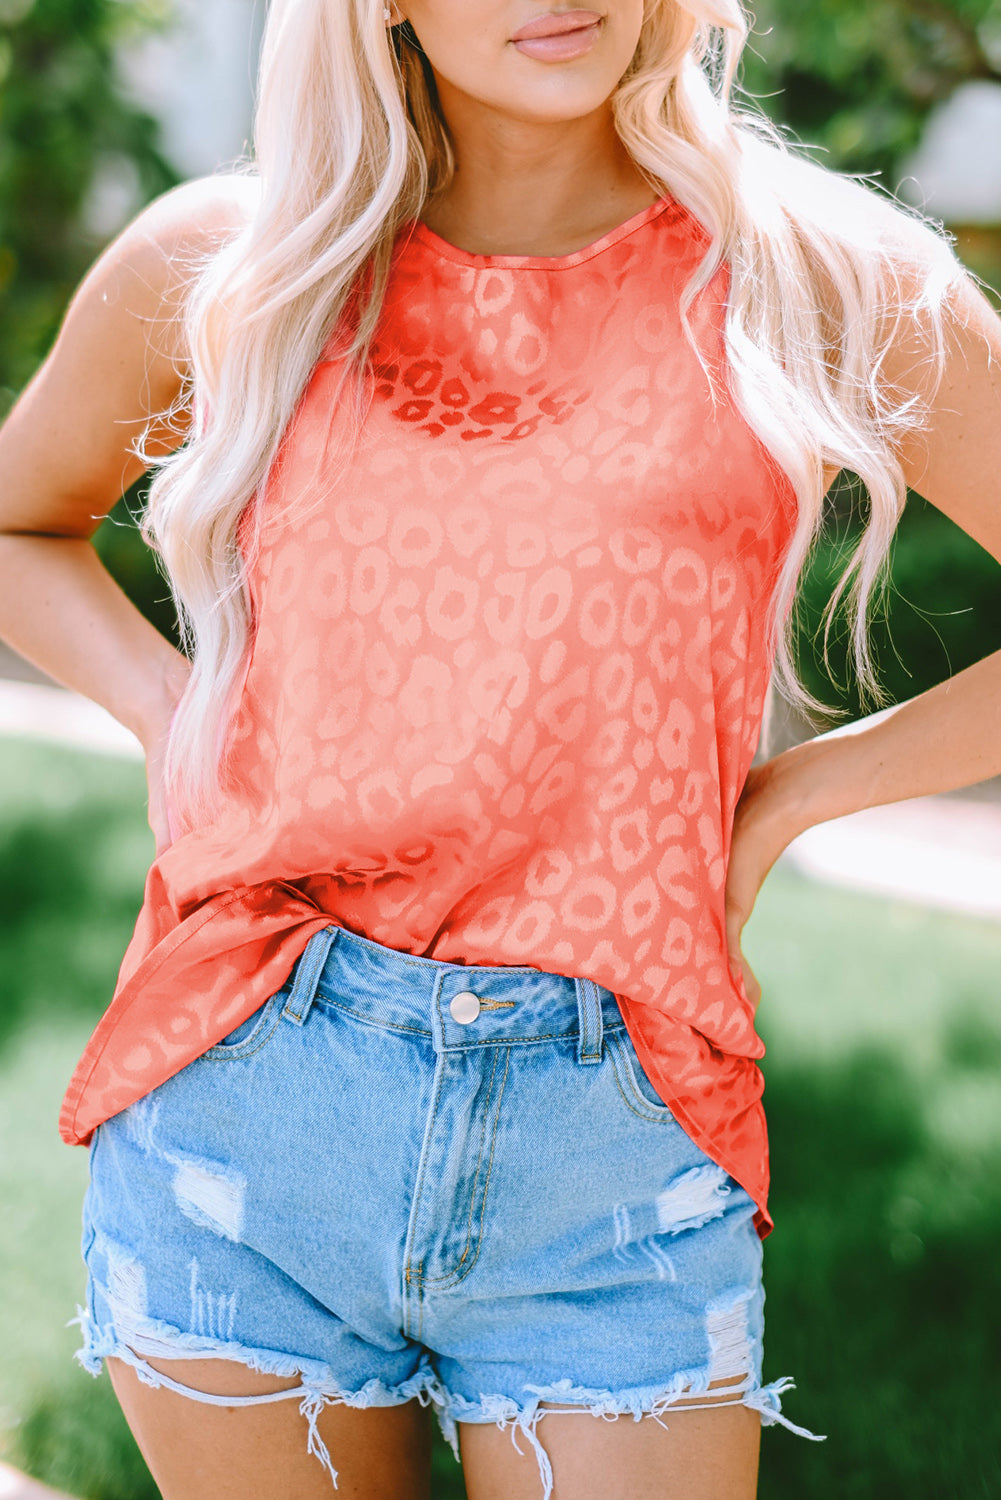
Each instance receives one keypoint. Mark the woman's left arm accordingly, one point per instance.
(949, 736)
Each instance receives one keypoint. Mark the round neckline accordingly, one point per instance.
(448, 251)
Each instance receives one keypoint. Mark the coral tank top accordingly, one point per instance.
(507, 677)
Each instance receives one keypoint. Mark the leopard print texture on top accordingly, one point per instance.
(508, 674)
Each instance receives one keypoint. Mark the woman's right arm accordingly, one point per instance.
(66, 458)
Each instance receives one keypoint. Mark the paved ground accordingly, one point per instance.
(34, 710)
(939, 851)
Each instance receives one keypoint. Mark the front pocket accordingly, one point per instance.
(634, 1086)
(252, 1033)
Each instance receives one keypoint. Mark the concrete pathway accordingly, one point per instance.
(943, 852)
(37, 711)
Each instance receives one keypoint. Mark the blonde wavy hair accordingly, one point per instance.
(348, 144)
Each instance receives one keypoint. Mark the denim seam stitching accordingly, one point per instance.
(240, 1050)
(584, 1002)
(449, 1275)
(307, 975)
(486, 1185)
(654, 1117)
(590, 1001)
(408, 1266)
(500, 1041)
(506, 1041)
(416, 963)
(322, 1000)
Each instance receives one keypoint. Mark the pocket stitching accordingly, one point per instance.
(649, 1110)
(255, 1041)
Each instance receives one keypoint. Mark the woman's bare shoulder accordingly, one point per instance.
(117, 370)
(197, 213)
(153, 260)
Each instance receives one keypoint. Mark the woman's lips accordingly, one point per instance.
(559, 37)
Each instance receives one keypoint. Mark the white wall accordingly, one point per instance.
(197, 78)
(955, 174)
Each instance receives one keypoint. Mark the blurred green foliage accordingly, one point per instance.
(131, 562)
(75, 150)
(858, 77)
(855, 80)
(69, 137)
(942, 608)
(943, 602)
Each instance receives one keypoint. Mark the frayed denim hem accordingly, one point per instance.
(318, 1387)
(641, 1401)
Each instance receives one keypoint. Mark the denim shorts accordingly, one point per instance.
(404, 1178)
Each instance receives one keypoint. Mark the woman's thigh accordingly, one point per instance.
(695, 1455)
(197, 1451)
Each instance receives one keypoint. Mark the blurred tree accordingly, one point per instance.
(942, 610)
(855, 81)
(77, 159)
(859, 77)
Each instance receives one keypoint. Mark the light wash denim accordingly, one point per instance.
(403, 1178)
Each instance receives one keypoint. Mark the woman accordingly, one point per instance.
(494, 409)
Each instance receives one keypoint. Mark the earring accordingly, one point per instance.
(387, 14)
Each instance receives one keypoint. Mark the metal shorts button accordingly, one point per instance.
(465, 1007)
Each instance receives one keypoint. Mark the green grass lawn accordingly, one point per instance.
(883, 1025)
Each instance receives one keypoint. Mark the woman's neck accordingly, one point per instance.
(533, 188)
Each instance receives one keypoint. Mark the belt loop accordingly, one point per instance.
(589, 1044)
(307, 974)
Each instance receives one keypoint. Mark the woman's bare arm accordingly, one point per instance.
(949, 736)
(66, 458)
